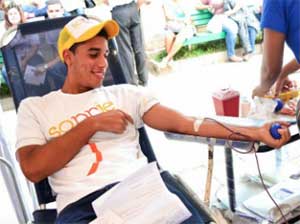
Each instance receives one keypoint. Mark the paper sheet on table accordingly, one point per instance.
(140, 198)
(30, 76)
(285, 193)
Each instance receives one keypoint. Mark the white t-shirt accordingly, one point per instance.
(114, 156)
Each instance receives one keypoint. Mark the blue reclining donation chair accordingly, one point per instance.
(37, 39)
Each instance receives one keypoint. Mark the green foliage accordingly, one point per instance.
(160, 55)
(4, 90)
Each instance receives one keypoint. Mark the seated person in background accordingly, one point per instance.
(2, 23)
(84, 137)
(36, 8)
(229, 26)
(54, 9)
(26, 49)
(248, 25)
(52, 66)
(13, 16)
(178, 28)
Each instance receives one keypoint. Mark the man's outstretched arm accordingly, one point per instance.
(166, 119)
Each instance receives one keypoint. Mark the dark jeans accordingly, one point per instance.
(130, 43)
(244, 36)
(81, 211)
(252, 37)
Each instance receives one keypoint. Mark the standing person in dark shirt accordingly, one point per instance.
(130, 39)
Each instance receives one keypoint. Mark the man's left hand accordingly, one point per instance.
(265, 136)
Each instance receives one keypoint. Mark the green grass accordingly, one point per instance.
(195, 51)
(201, 49)
(4, 90)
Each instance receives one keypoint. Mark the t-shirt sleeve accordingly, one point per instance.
(137, 101)
(273, 16)
(28, 129)
(146, 101)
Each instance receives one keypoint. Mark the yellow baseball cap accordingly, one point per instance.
(82, 29)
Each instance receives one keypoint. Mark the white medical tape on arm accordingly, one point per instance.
(197, 123)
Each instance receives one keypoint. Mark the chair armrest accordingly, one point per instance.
(265, 148)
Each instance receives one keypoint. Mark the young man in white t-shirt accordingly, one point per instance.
(84, 137)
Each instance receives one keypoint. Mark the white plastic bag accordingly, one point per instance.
(263, 108)
(215, 24)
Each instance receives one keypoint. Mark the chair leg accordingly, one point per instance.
(230, 178)
(25, 216)
(210, 166)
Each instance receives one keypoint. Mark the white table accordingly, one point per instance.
(243, 145)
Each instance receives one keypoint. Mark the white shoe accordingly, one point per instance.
(153, 67)
(163, 64)
(157, 68)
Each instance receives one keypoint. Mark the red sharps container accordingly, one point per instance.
(226, 102)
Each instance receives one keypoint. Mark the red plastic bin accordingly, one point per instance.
(226, 102)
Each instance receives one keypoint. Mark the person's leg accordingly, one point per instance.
(81, 211)
(169, 40)
(230, 27)
(196, 217)
(137, 44)
(252, 37)
(178, 42)
(173, 44)
(244, 36)
(123, 18)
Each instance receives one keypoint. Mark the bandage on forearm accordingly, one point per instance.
(197, 123)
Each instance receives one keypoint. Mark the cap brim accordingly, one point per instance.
(112, 28)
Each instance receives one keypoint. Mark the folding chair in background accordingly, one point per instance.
(23, 85)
